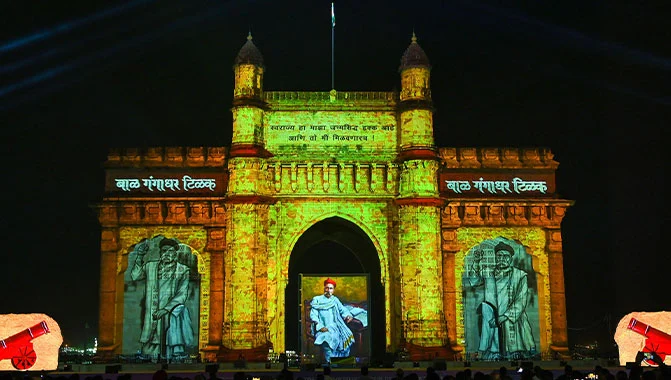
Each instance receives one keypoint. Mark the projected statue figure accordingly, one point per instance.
(166, 327)
(505, 331)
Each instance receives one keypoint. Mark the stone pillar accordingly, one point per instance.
(245, 276)
(420, 260)
(450, 248)
(109, 329)
(216, 245)
(557, 293)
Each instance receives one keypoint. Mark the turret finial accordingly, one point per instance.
(414, 37)
(249, 36)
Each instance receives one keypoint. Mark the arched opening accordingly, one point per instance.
(335, 246)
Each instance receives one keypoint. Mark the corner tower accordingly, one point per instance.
(419, 241)
(248, 104)
(417, 150)
(248, 151)
(247, 205)
(416, 103)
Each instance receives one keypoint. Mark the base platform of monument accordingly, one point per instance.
(261, 371)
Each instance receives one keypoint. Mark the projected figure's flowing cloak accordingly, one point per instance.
(329, 312)
(506, 296)
(167, 287)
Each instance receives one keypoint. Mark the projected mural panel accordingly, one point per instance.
(335, 313)
(161, 300)
(500, 301)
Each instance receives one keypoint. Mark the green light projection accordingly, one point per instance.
(418, 179)
(420, 258)
(248, 81)
(312, 135)
(247, 127)
(245, 270)
(248, 176)
(414, 131)
(289, 219)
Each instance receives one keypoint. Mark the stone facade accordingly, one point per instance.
(298, 158)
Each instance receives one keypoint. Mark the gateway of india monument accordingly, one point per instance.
(223, 252)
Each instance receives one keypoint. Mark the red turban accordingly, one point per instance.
(329, 281)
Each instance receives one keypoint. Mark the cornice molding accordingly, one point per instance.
(167, 157)
(167, 212)
(492, 213)
(497, 158)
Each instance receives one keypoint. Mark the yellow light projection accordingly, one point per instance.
(421, 275)
(415, 83)
(414, 131)
(248, 176)
(296, 159)
(533, 239)
(291, 218)
(245, 270)
(247, 125)
(248, 80)
(418, 179)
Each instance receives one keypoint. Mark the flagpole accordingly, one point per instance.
(332, 47)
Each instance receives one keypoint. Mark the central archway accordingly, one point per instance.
(335, 245)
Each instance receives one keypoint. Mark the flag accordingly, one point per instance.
(332, 16)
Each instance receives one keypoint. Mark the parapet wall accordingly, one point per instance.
(499, 158)
(167, 157)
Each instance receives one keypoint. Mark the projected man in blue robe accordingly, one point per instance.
(166, 292)
(505, 330)
(330, 317)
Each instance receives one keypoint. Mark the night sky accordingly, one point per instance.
(589, 80)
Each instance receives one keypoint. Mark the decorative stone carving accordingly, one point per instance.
(510, 157)
(114, 156)
(195, 156)
(448, 157)
(216, 156)
(531, 158)
(129, 213)
(516, 215)
(538, 215)
(174, 155)
(176, 213)
(495, 214)
(450, 243)
(131, 156)
(154, 156)
(216, 239)
(107, 214)
(554, 240)
(472, 214)
(109, 239)
(558, 213)
(491, 158)
(199, 212)
(468, 158)
(152, 213)
(547, 158)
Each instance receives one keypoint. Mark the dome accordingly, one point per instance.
(249, 53)
(414, 56)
